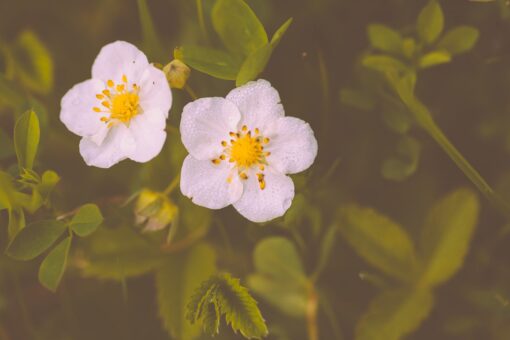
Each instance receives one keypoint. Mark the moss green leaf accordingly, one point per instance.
(53, 267)
(446, 235)
(459, 40)
(26, 139)
(33, 63)
(379, 240)
(280, 278)
(405, 162)
(86, 220)
(384, 64)
(216, 63)
(176, 281)
(430, 22)
(394, 313)
(385, 38)
(33, 240)
(434, 58)
(223, 295)
(238, 27)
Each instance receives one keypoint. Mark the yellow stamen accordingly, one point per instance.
(124, 78)
(106, 104)
(243, 176)
(216, 161)
(99, 96)
(96, 109)
(110, 83)
(120, 87)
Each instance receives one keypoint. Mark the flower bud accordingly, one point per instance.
(177, 73)
(154, 210)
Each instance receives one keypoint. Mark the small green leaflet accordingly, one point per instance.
(86, 220)
(26, 139)
(53, 267)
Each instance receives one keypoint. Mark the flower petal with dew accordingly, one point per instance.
(120, 112)
(241, 149)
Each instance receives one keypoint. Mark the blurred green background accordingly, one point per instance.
(109, 290)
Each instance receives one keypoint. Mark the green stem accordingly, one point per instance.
(201, 20)
(424, 119)
(172, 185)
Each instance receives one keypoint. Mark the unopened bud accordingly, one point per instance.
(154, 210)
(177, 73)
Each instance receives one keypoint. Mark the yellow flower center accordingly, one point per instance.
(120, 104)
(246, 150)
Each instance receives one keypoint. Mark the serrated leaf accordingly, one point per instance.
(53, 267)
(434, 58)
(216, 63)
(238, 27)
(395, 313)
(26, 139)
(33, 63)
(446, 235)
(33, 240)
(280, 278)
(119, 253)
(225, 295)
(176, 281)
(459, 40)
(379, 240)
(430, 22)
(385, 38)
(256, 62)
(86, 220)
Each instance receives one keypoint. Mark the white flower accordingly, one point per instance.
(121, 112)
(241, 149)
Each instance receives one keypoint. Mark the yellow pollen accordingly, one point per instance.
(106, 93)
(96, 109)
(216, 161)
(120, 88)
(223, 143)
(99, 96)
(121, 104)
(106, 104)
(124, 78)
(245, 151)
(110, 83)
(243, 176)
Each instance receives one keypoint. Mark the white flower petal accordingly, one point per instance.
(115, 147)
(264, 205)
(293, 145)
(117, 59)
(205, 123)
(76, 108)
(155, 92)
(207, 184)
(258, 102)
(148, 131)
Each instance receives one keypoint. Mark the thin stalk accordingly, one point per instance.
(311, 314)
(201, 19)
(190, 91)
(171, 187)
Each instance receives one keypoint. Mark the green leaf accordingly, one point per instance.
(10, 94)
(385, 38)
(327, 244)
(152, 43)
(33, 240)
(176, 281)
(53, 267)
(280, 278)
(356, 99)
(26, 139)
(384, 64)
(238, 27)
(216, 63)
(434, 58)
(223, 295)
(33, 63)
(394, 314)
(405, 163)
(430, 22)
(446, 235)
(256, 62)
(86, 220)
(119, 253)
(379, 240)
(459, 40)
(6, 190)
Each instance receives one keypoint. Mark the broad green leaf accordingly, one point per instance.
(434, 58)
(86, 220)
(394, 314)
(119, 253)
(176, 282)
(216, 63)
(385, 38)
(384, 64)
(53, 267)
(280, 278)
(152, 43)
(430, 22)
(33, 62)
(26, 139)
(256, 62)
(446, 235)
(379, 240)
(33, 240)
(405, 162)
(223, 295)
(459, 40)
(238, 27)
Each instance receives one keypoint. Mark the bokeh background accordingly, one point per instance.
(317, 59)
